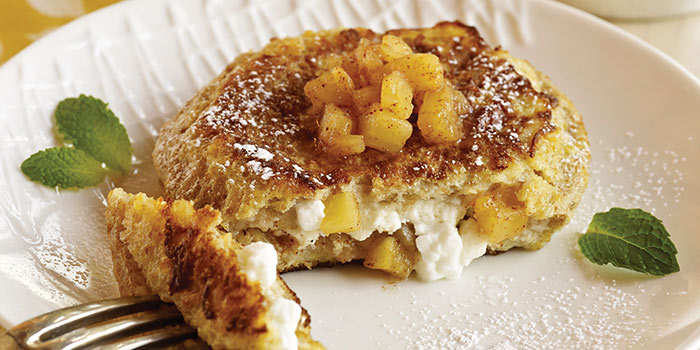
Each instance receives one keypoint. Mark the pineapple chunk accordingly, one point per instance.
(397, 95)
(460, 102)
(334, 86)
(499, 218)
(437, 119)
(384, 132)
(365, 97)
(393, 47)
(386, 255)
(335, 121)
(422, 70)
(370, 65)
(344, 145)
(335, 127)
(342, 213)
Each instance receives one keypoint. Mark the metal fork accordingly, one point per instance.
(122, 323)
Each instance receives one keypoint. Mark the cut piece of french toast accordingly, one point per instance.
(231, 294)
(251, 145)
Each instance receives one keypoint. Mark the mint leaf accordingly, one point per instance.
(63, 167)
(89, 125)
(630, 238)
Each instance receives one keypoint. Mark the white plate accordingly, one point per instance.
(147, 58)
(636, 9)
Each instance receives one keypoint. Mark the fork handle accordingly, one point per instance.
(8, 343)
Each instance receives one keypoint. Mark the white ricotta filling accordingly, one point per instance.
(444, 249)
(440, 248)
(310, 214)
(258, 261)
(282, 319)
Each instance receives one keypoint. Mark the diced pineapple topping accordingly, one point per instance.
(347, 144)
(336, 125)
(384, 132)
(423, 71)
(341, 213)
(393, 48)
(499, 216)
(334, 86)
(397, 95)
(365, 97)
(437, 118)
(368, 96)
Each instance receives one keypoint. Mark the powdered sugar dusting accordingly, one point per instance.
(254, 151)
(539, 315)
(633, 176)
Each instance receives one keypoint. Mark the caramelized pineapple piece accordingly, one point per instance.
(437, 119)
(344, 145)
(397, 95)
(349, 65)
(369, 62)
(334, 86)
(335, 127)
(422, 70)
(460, 102)
(365, 97)
(387, 255)
(342, 213)
(384, 132)
(499, 216)
(393, 48)
(335, 121)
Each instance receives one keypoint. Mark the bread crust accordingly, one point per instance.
(182, 257)
(247, 141)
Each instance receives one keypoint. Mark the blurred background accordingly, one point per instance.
(671, 25)
(23, 21)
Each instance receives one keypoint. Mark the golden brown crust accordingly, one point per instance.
(187, 261)
(251, 125)
(247, 142)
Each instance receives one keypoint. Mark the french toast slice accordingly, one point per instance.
(247, 144)
(231, 294)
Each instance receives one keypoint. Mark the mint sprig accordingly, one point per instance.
(97, 137)
(63, 167)
(632, 239)
(91, 126)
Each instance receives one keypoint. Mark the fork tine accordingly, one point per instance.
(119, 328)
(53, 324)
(158, 339)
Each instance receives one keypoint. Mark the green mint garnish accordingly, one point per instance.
(90, 125)
(64, 167)
(97, 137)
(630, 238)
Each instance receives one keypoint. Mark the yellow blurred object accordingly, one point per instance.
(23, 21)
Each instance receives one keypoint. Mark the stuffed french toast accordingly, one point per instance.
(417, 149)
